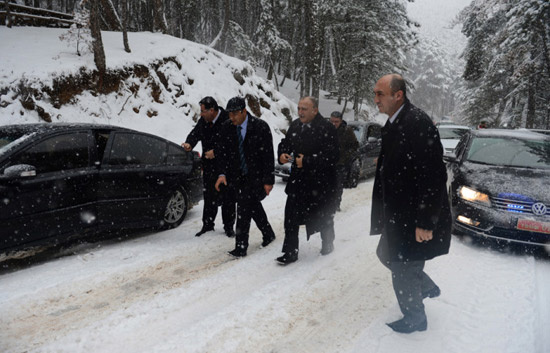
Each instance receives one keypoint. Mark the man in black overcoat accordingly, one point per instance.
(207, 130)
(246, 164)
(311, 146)
(410, 206)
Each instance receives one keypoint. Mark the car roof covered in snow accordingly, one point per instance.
(521, 134)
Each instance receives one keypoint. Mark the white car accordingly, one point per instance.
(450, 135)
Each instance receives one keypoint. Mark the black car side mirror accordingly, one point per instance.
(450, 158)
(372, 140)
(20, 170)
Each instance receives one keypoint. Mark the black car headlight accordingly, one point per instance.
(472, 195)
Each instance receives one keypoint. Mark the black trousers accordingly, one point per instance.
(409, 281)
(213, 199)
(249, 207)
(294, 217)
(341, 175)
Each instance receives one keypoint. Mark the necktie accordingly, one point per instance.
(244, 169)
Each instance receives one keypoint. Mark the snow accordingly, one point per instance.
(203, 71)
(173, 292)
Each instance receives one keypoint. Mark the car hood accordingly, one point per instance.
(495, 180)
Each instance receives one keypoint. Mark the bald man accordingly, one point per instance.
(410, 207)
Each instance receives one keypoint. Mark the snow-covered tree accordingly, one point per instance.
(79, 33)
(508, 62)
(268, 38)
(434, 78)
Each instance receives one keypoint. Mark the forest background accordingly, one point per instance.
(342, 46)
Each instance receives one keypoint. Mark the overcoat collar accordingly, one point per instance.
(399, 118)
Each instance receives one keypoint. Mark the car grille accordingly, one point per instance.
(516, 203)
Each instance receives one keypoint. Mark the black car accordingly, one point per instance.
(369, 136)
(499, 185)
(59, 181)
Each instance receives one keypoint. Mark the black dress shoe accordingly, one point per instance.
(237, 252)
(327, 248)
(204, 230)
(230, 233)
(432, 293)
(402, 326)
(288, 258)
(267, 241)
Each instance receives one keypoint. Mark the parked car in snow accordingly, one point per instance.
(59, 181)
(282, 170)
(540, 131)
(369, 136)
(499, 185)
(450, 135)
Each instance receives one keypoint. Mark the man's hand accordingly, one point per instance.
(209, 154)
(285, 158)
(268, 188)
(300, 161)
(221, 180)
(186, 146)
(423, 235)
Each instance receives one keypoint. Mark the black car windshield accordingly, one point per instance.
(358, 131)
(451, 133)
(510, 152)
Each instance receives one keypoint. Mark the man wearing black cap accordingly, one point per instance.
(246, 163)
(207, 130)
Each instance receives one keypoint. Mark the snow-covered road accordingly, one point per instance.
(173, 292)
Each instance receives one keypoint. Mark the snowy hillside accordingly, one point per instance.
(162, 81)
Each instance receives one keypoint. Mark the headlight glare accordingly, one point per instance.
(472, 195)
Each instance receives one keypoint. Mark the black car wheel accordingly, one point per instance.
(176, 209)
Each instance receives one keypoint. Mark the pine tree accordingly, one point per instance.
(79, 33)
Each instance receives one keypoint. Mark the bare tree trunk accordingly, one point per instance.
(221, 39)
(8, 14)
(313, 51)
(97, 42)
(158, 10)
(125, 25)
(36, 3)
(111, 16)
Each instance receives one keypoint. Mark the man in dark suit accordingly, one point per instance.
(207, 130)
(410, 206)
(246, 164)
(311, 145)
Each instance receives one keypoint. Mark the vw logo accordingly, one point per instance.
(539, 209)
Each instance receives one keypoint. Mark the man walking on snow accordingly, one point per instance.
(410, 206)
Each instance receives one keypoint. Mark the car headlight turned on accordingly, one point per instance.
(467, 221)
(472, 195)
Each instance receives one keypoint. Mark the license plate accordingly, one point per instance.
(533, 226)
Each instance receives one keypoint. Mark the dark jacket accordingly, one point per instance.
(208, 135)
(258, 149)
(313, 185)
(410, 188)
(348, 144)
